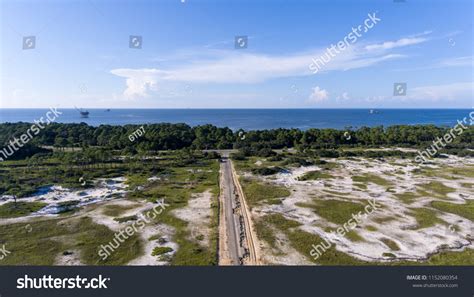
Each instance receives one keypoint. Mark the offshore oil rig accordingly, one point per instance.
(83, 113)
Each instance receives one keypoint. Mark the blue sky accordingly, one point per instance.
(188, 60)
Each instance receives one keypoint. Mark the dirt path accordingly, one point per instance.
(251, 238)
(238, 243)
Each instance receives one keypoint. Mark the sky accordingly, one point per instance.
(406, 54)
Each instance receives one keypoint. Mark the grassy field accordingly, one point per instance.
(18, 209)
(407, 197)
(258, 192)
(437, 189)
(446, 172)
(49, 238)
(371, 178)
(425, 217)
(464, 210)
(176, 188)
(180, 175)
(335, 211)
(302, 241)
(117, 210)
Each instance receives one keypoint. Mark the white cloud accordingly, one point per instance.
(139, 81)
(467, 61)
(442, 92)
(344, 96)
(376, 99)
(397, 43)
(318, 95)
(457, 62)
(18, 93)
(214, 66)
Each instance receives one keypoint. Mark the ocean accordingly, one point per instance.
(250, 119)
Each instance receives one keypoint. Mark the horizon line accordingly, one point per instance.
(248, 108)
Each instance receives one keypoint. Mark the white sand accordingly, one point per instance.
(105, 193)
(147, 259)
(198, 213)
(105, 189)
(150, 229)
(414, 244)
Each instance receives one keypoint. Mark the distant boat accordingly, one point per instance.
(108, 109)
(372, 111)
(83, 113)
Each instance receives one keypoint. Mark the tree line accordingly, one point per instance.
(166, 136)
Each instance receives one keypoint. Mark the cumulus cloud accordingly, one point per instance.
(344, 96)
(138, 81)
(318, 95)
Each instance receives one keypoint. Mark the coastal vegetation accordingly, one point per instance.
(322, 142)
(335, 178)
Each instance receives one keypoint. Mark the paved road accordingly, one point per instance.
(229, 204)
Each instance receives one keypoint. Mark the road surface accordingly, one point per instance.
(237, 241)
(231, 226)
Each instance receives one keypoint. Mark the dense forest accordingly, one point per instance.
(178, 136)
